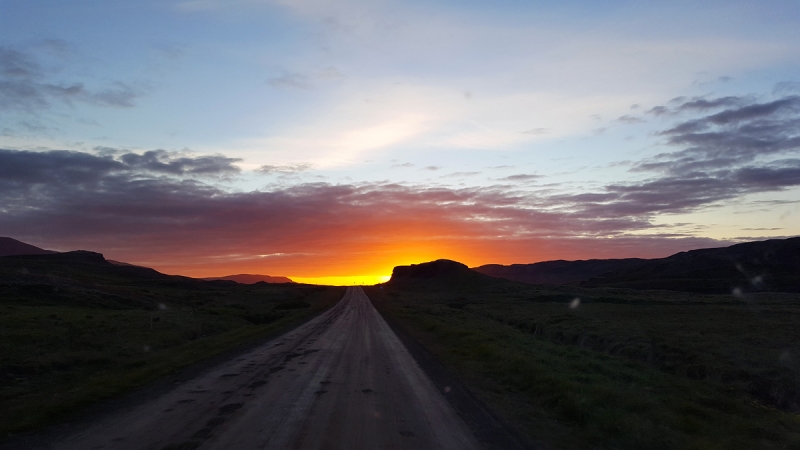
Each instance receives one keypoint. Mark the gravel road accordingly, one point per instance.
(341, 381)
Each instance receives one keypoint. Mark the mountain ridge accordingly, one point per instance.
(769, 265)
(248, 278)
(12, 247)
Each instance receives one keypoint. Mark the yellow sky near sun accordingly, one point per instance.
(344, 281)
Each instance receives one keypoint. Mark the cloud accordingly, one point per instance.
(659, 110)
(628, 119)
(286, 168)
(403, 165)
(786, 87)
(134, 209)
(119, 95)
(522, 177)
(701, 104)
(22, 171)
(731, 137)
(460, 174)
(26, 85)
(433, 168)
(746, 147)
(154, 207)
(162, 161)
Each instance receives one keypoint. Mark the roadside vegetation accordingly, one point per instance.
(75, 330)
(615, 368)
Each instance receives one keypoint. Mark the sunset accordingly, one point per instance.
(339, 139)
(399, 224)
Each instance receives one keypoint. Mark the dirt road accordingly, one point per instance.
(341, 381)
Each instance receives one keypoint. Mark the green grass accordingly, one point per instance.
(73, 337)
(624, 369)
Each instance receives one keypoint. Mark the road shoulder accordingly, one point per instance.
(486, 426)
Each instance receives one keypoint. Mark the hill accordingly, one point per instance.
(436, 273)
(77, 328)
(9, 247)
(772, 265)
(558, 272)
(574, 367)
(245, 278)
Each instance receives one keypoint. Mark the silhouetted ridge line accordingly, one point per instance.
(439, 272)
(246, 278)
(560, 271)
(11, 247)
(771, 265)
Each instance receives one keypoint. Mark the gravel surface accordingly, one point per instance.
(340, 381)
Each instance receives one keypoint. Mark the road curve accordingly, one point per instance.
(341, 381)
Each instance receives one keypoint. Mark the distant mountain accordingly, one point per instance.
(80, 264)
(772, 265)
(10, 247)
(558, 272)
(245, 278)
(442, 271)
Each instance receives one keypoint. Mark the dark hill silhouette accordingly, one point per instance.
(246, 278)
(558, 272)
(439, 272)
(81, 264)
(10, 247)
(772, 265)
(438, 268)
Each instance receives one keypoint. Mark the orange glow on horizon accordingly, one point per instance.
(367, 266)
(366, 253)
(361, 280)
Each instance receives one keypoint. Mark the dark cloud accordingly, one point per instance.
(132, 207)
(460, 174)
(154, 208)
(696, 104)
(433, 168)
(730, 138)
(503, 167)
(286, 168)
(756, 111)
(629, 119)
(786, 87)
(162, 161)
(16, 65)
(701, 104)
(521, 177)
(747, 147)
(26, 85)
(22, 170)
(26, 171)
(659, 111)
(120, 95)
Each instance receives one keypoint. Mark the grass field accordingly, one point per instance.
(74, 334)
(604, 368)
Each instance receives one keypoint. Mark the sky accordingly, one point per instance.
(330, 141)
